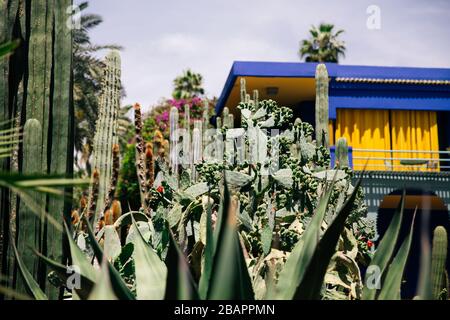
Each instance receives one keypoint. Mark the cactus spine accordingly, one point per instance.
(438, 260)
(322, 113)
(342, 153)
(105, 135)
(29, 225)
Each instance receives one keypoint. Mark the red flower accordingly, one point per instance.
(160, 189)
(369, 244)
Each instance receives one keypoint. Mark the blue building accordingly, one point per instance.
(397, 123)
(396, 120)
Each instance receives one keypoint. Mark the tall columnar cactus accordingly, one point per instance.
(174, 137)
(256, 98)
(140, 155)
(322, 113)
(342, 153)
(114, 177)
(438, 260)
(105, 135)
(205, 122)
(62, 145)
(40, 56)
(187, 155)
(29, 225)
(243, 90)
(150, 173)
(197, 151)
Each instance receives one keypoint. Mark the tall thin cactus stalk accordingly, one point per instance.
(174, 138)
(205, 122)
(438, 261)
(322, 112)
(342, 153)
(187, 154)
(29, 233)
(61, 149)
(106, 128)
(140, 156)
(196, 150)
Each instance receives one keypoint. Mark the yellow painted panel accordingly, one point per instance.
(415, 131)
(291, 91)
(365, 130)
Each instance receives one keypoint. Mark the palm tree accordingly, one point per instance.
(87, 73)
(188, 85)
(323, 45)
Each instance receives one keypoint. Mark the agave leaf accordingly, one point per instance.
(86, 285)
(208, 254)
(386, 248)
(32, 285)
(394, 275)
(103, 289)
(151, 272)
(180, 283)
(126, 220)
(292, 275)
(312, 282)
(12, 294)
(229, 276)
(79, 258)
(8, 48)
(120, 288)
(112, 247)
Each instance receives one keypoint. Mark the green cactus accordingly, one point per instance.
(342, 153)
(322, 113)
(140, 156)
(438, 260)
(105, 135)
(205, 123)
(29, 225)
(40, 67)
(243, 90)
(174, 137)
(187, 154)
(62, 154)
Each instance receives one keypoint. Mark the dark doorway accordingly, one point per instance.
(305, 110)
(437, 215)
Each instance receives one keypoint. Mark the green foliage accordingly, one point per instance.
(188, 85)
(323, 45)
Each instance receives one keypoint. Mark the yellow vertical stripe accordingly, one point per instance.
(365, 129)
(416, 131)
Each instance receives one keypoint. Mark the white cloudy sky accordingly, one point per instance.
(163, 37)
